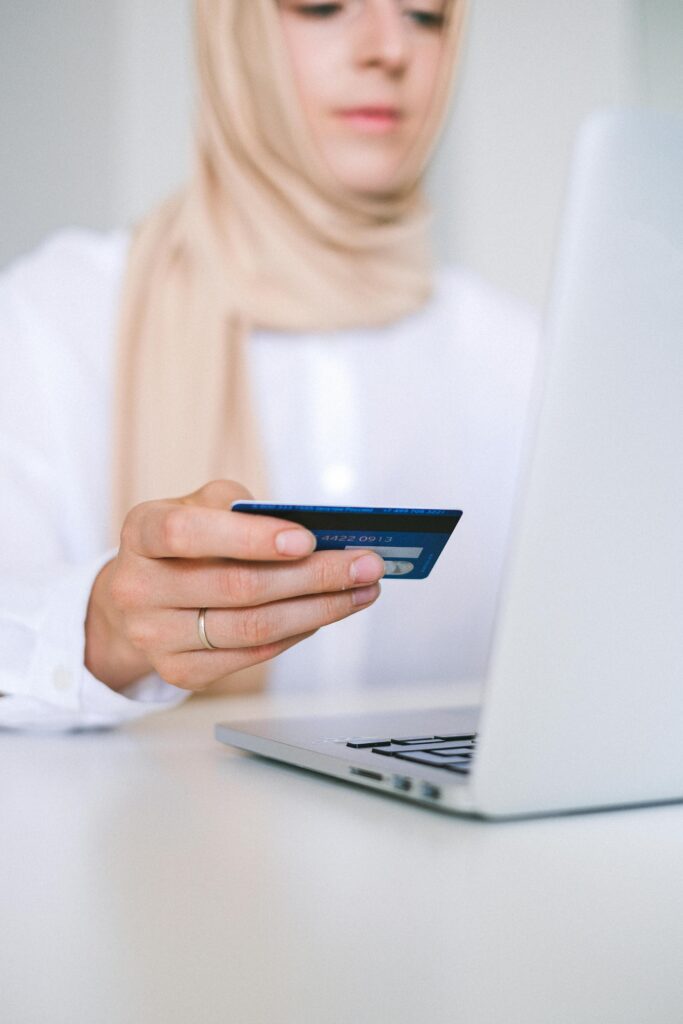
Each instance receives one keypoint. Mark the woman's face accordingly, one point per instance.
(365, 72)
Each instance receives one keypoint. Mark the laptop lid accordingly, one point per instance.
(584, 702)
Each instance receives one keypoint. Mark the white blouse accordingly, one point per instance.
(428, 411)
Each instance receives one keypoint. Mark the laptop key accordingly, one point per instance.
(361, 741)
(451, 745)
(470, 736)
(432, 759)
(405, 748)
(452, 752)
(412, 739)
(461, 769)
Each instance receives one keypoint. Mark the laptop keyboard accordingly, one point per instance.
(452, 753)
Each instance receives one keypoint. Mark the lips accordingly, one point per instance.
(373, 119)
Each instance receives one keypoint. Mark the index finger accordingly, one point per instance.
(170, 530)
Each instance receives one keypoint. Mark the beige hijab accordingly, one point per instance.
(261, 237)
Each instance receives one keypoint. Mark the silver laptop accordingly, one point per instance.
(583, 704)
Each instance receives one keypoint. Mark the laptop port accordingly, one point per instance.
(367, 774)
(402, 782)
(427, 789)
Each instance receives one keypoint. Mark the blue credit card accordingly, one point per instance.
(409, 539)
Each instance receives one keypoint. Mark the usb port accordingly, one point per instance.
(427, 789)
(402, 782)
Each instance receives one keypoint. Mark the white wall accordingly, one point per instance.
(96, 99)
(533, 69)
(152, 124)
(57, 160)
(661, 33)
(95, 102)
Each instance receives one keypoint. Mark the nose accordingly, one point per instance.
(382, 37)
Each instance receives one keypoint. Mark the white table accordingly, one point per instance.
(152, 875)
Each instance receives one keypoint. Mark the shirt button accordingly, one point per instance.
(338, 478)
(61, 678)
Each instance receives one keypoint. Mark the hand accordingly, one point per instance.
(263, 586)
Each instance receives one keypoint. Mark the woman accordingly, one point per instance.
(276, 329)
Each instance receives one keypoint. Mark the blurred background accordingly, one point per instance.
(96, 105)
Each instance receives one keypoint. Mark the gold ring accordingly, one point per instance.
(201, 628)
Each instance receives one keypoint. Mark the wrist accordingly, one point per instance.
(108, 654)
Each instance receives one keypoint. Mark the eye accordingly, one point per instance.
(319, 10)
(426, 19)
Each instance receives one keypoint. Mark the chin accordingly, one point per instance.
(365, 167)
(367, 180)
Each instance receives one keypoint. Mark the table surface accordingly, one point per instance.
(151, 874)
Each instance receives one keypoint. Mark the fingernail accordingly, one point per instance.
(295, 542)
(367, 569)
(363, 595)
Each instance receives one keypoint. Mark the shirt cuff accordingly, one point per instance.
(59, 692)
